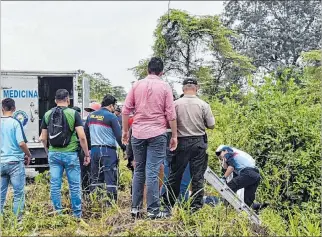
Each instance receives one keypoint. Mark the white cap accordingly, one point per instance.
(220, 149)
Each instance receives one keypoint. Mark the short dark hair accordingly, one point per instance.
(108, 100)
(61, 94)
(8, 104)
(155, 66)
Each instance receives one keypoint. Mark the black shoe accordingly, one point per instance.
(160, 215)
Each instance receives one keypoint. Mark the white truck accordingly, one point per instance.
(34, 94)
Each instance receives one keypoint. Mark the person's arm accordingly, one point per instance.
(228, 172)
(44, 134)
(209, 117)
(228, 161)
(171, 116)
(87, 133)
(117, 132)
(125, 125)
(82, 137)
(22, 140)
(127, 108)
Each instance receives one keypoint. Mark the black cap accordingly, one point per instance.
(77, 109)
(190, 81)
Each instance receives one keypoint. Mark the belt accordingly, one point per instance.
(104, 146)
(192, 137)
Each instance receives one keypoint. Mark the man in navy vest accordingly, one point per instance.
(102, 129)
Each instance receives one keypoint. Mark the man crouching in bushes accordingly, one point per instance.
(244, 165)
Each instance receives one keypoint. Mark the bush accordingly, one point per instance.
(279, 125)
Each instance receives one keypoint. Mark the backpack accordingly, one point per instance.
(59, 132)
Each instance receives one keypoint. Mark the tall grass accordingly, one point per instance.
(41, 220)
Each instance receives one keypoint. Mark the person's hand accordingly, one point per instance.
(133, 164)
(173, 143)
(27, 159)
(124, 155)
(87, 160)
(125, 138)
(223, 179)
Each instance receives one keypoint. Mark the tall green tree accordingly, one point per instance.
(99, 85)
(189, 44)
(274, 33)
(141, 70)
(119, 93)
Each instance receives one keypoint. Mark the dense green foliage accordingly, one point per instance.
(279, 123)
(100, 86)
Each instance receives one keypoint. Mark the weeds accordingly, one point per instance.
(41, 220)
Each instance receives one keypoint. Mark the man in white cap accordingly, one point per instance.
(243, 165)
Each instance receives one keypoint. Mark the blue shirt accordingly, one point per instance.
(119, 118)
(11, 135)
(239, 159)
(102, 128)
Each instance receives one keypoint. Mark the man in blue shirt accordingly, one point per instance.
(102, 129)
(243, 165)
(14, 155)
(118, 114)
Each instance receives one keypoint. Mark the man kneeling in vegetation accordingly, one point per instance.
(244, 165)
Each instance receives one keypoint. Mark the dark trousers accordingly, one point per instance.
(249, 179)
(104, 170)
(130, 157)
(190, 150)
(129, 153)
(85, 172)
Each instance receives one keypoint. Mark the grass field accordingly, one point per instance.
(40, 220)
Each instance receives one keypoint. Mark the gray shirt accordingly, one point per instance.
(193, 116)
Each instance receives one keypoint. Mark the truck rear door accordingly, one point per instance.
(24, 90)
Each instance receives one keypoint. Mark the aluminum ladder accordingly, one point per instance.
(230, 196)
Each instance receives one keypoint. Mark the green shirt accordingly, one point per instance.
(74, 120)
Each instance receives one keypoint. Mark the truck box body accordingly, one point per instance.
(34, 94)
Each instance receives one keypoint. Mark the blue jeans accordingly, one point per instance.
(58, 161)
(13, 172)
(104, 171)
(149, 154)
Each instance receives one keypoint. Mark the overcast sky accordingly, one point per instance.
(107, 37)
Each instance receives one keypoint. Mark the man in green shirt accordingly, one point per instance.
(65, 156)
